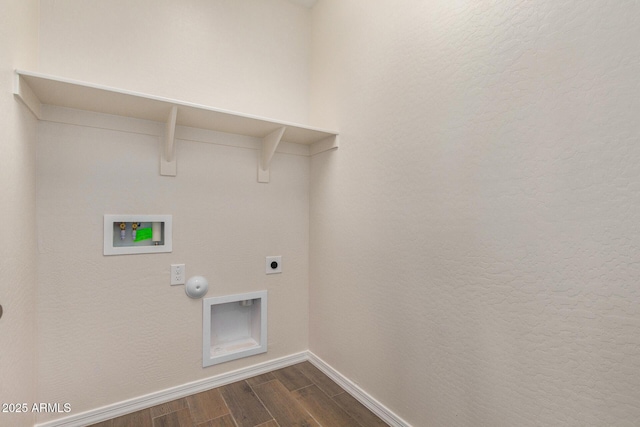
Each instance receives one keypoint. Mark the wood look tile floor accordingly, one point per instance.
(296, 396)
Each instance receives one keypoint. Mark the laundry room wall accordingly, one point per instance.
(475, 239)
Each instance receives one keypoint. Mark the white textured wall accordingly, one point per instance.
(111, 328)
(245, 55)
(475, 241)
(18, 48)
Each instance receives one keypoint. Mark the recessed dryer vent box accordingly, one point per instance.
(234, 326)
(137, 234)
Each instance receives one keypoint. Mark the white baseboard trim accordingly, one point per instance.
(146, 401)
(359, 394)
(137, 403)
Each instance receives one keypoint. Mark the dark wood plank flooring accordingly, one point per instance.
(299, 395)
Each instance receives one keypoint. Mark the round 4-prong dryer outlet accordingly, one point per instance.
(273, 264)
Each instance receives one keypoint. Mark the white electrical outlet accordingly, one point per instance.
(177, 274)
(273, 264)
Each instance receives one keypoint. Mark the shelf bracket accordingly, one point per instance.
(269, 145)
(22, 90)
(326, 144)
(168, 164)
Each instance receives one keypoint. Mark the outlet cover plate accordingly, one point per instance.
(177, 274)
(273, 264)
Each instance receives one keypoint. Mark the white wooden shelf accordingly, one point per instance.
(36, 89)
